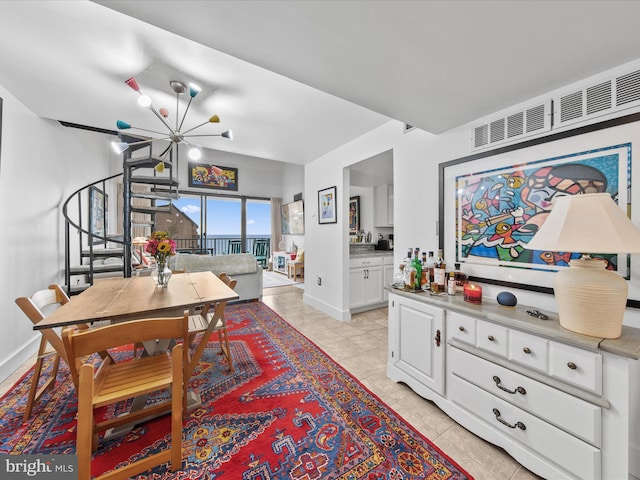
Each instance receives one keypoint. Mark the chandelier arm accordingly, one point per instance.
(204, 135)
(146, 130)
(161, 118)
(197, 126)
(185, 114)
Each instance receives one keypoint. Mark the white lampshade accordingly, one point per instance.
(591, 299)
(590, 223)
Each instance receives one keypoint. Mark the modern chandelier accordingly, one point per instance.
(175, 133)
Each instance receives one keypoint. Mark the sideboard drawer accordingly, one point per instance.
(365, 262)
(572, 414)
(529, 350)
(576, 366)
(461, 327)
(493, 338)
(566, 451)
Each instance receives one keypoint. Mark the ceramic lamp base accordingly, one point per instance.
(591, 299)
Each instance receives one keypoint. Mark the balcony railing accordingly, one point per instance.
(223, 245)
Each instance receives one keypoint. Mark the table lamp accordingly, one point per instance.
(591, 299)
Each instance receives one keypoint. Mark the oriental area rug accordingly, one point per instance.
(288, 411)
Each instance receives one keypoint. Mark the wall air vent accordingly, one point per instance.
(607, 94)
(513, 127)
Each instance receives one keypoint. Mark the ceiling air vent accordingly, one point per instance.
(628, 88)
(613, 92)
(513, 127)
(571, 107)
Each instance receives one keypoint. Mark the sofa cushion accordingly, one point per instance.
(237, 264)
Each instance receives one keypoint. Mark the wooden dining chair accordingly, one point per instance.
(211, 319)
(36, 308)
(109, 382)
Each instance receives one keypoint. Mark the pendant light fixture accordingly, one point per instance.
(175, 133)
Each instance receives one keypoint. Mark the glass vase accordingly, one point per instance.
(161, 274)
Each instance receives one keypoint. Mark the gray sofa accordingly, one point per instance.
(243, 267)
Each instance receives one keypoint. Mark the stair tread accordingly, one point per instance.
(104, 252)
(151, 209)
(155, 180)
(170, 195)
(84, 269)
(147, 162)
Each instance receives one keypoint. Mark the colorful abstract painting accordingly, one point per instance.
(498, 211)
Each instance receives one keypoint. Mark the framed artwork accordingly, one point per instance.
(327, 205)
(493, 203)
(98, 210)
(354, 215)
(208, 176)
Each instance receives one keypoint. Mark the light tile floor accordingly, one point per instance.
(360, 346)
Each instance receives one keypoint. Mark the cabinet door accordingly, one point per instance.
(417, 341)
(356, 287)
(373, 285)
(387, 279)
(383, 205)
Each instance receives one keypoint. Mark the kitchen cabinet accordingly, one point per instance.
(383, 205)
(564, 405)
(365, 282)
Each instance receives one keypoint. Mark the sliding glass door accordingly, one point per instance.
(227, 225)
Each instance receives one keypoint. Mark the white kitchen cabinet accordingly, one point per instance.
(388, 272)
(383, 205)
(365, 282)
(564, 405)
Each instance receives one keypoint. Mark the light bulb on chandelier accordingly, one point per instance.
(175, 134)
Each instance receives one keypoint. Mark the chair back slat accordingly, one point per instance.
(111, 336)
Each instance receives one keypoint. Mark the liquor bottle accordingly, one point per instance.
(439, 275)
(461, 279)
(417, 264)
(431, 263)
(451, 283)
(409, 272)
(424, 279)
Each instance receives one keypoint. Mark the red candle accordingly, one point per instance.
(472, 293)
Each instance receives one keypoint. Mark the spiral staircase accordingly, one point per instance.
(143, 191)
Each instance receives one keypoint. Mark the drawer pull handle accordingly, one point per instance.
(491, 338)
(519, 425)
(572, 365)
(519, 390)
(526, 350)
(461, 328)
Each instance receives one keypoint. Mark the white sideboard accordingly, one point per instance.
(566, 406)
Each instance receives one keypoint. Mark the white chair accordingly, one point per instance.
(293, 266)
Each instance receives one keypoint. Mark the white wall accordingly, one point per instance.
(417, 155)
(41, 164)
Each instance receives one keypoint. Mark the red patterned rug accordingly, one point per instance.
(288, 411)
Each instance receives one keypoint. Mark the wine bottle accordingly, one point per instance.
(424, 279)
(461, 279)
(439, 275)
(431, 263)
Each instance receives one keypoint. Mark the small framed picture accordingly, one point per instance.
(327, 205)
(354, 215)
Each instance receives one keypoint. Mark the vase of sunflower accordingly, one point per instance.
(161, 247)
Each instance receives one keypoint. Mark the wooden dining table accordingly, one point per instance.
(125, 299)
(122, 299)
